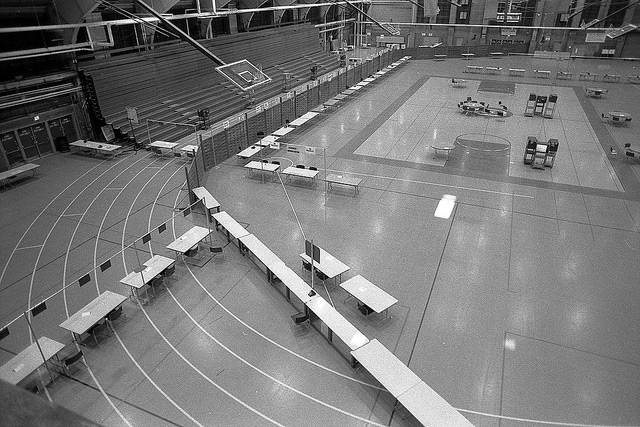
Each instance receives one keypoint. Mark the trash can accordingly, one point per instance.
(62, 144)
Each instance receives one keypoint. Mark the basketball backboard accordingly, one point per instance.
(243, 74)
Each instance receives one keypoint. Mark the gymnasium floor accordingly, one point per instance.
(521, 309)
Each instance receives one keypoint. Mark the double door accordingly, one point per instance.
(24, 144)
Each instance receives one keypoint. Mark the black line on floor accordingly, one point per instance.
(435, 277)
(122, 400)
(379, 120)
(504, 356)
(619, 162)
(576, 349)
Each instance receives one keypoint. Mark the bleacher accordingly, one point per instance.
(172, 82)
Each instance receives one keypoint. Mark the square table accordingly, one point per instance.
(82, 320)
(23, 364)
(162, 145)
(249, 151)
(368, 294)
(282, 131)
(333, 178)
(189, 150)
(329, 265)
(267, 140)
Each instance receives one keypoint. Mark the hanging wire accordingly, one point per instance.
(136, 18)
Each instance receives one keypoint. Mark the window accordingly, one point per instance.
(463, 16)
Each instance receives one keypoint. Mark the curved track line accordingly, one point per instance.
(528, 420)
(178, 407)
(66, 258)
(4, 270)
(66, 261)
(272, 378)
(37, 260)
(124, 187)
(280, 346)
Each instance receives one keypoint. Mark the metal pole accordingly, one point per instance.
(313, 273)
(26, 316)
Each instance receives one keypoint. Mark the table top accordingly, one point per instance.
(163, 144)
(261, 251)
(291, 280)
(28, 360)
(20, 169)
(394, 375)
(331, 101)
(90, 314)
(341, 179)
(189, 148)
(596, 90)
(468, 54)
(307, 173)
(368, 293)
(270, 167)
(329, 265)
(309, 115)
(430, 408)
(282, 131)
(249, 151)
(620, 114)
(471, 106)
(189, 239)
(154, 266)
(230, 224)
(102, 146)
(443, 147)
(335, 321)
(298, 122)
(209, 201)
(496, 53)
(267, 140)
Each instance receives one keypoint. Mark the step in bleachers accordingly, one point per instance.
(172, 82)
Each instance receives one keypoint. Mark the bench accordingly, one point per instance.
(587, 76)
(343, 180)
(9, 176)
(516, 72)
(634, 79)
(563, 75)
(543, 74)
(210, 203)
(496, 54)
(475, 69)
(611, 78)
(493, 70)
(439, 57)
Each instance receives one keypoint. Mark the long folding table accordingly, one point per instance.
(368, 294)
(329, 265)
(337, 324)
(89, 315)
(136, 280)
(231, 226)
(261, 252)
(189, 239)
(25, 363)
